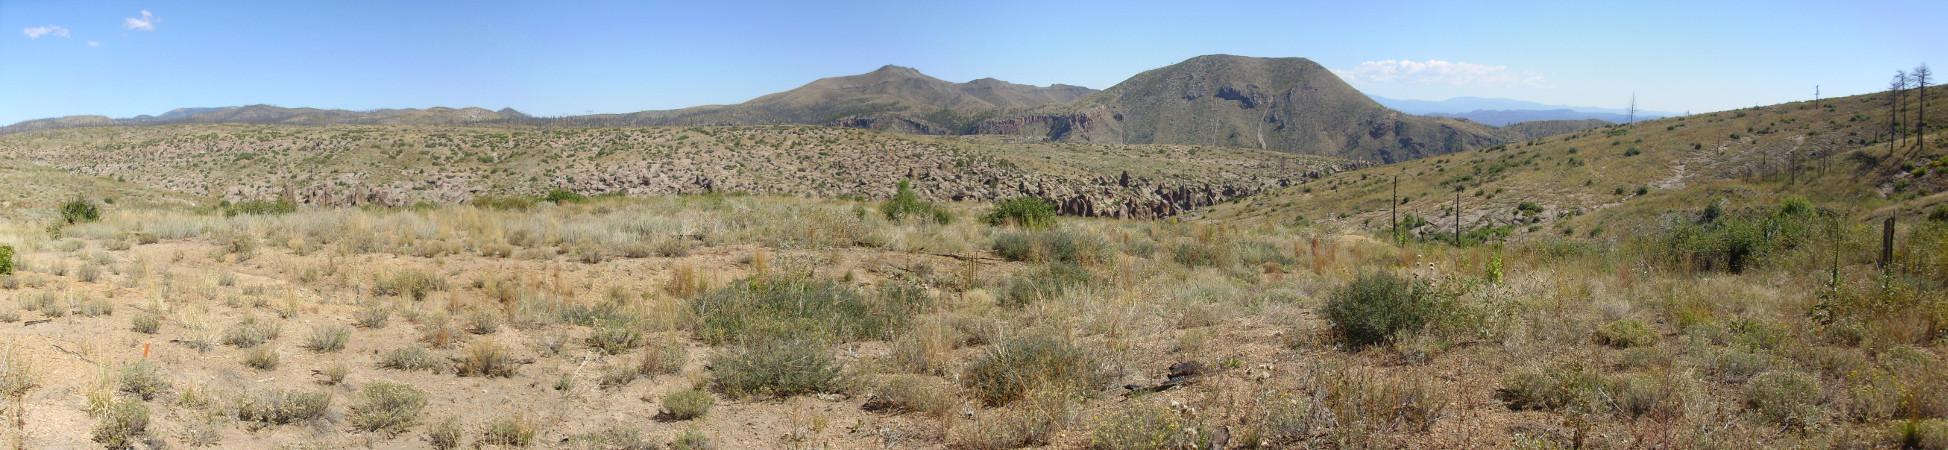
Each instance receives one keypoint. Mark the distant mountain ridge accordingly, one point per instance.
(1291, 105)
(1502, 111)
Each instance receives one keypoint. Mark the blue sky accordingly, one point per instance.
(558, 58)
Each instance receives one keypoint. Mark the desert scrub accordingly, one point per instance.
(777, 368)
(411, 359)
(1626, 333)
(387, 408)
(486, 358)
(412, 283)
(1009, 369)
(512, 431)
(929, 395)
(663, 359)
(1145, 426)
(790, 306)
(445, 435)
(123, 424)
(251, 332)
(328, 338)
(615, 339)
(7, 260)
(279, 407)
(483, 322)
(261, 358)
(1026, 212)
(1050, 281)
(1071, 247)
(145, 323)
(686, 404)
(143, 379)
(372, 315)
(906, 206)
(1788, 398)
(80, 210)
(1379, 308)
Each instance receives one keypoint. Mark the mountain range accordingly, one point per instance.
(1502, 111)
(1291, 105)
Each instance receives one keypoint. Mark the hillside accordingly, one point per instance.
(892, 98)
(1282, 104)
(403, 164)
(1622, 180)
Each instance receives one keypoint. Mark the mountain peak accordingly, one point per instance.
(901, 71)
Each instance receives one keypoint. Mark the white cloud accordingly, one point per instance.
(37, 32)
(146, 23)
(1436, 71)
(94, 44)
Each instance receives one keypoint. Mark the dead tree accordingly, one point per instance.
(1922, 76)
(1895, 88)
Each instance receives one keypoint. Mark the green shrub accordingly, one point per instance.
(328, 338)
(6, 260)
(691, 440)
(123, 424)
(1787, 398)
(906, 205)
(279, 407)
(1026, 212)
(486, 358)
(80, 210)
(1052, 280)
(1553, 387)
(146, 323)
(1626, 333)
(261, 358)
(615, 339)
(411, 359)
(386, 407)
(445, 435)
(687, 404)
(790, 306)
(504, 203)
(260, 207)
(563, 196)
(1063, 246)
(1150, 427)
(144, 379)
(775, 368)
(512, 431)
(1009, 369)
(1378, 308)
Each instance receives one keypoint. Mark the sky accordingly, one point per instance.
(129, 58)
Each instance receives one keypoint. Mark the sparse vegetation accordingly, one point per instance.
(1026, 212)
(1378, 308)
(778, 368)
(687, 404)
(387, 408)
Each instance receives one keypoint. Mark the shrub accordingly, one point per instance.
(1552, 387)
(334, 373)
(1026, 212)
(387, 407)
(928, 395)
(1150, 427)
(687, 404)
(563, 196)
(775, 307)
(1061, 246)
(144, 379)
(512, 431)
(1787, 398)
(328, 338)
(261, 358)
(615, 339)
(372, 315)
(94, 307)
(251, 333)
(691, 440)
(1377, 308)
(486, 358)
(775, 368)
(80, 210)
(146, 323)
(410, 282)
(279, 407)
(122, 425)
(260, 207)
(906, 205)
(1051, 281)
(1009, 369)
(445, 435)
(483, 322)
(664, 359)
(1626, 333)
(6, 260)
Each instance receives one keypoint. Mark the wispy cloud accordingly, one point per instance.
(1436, 71)
(94, 44)
(37, 32)
(146, 23)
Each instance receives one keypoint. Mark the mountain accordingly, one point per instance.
(1285, 104)
(892, 98)
(267, 114)
(1514, 116)
(1461, 105)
